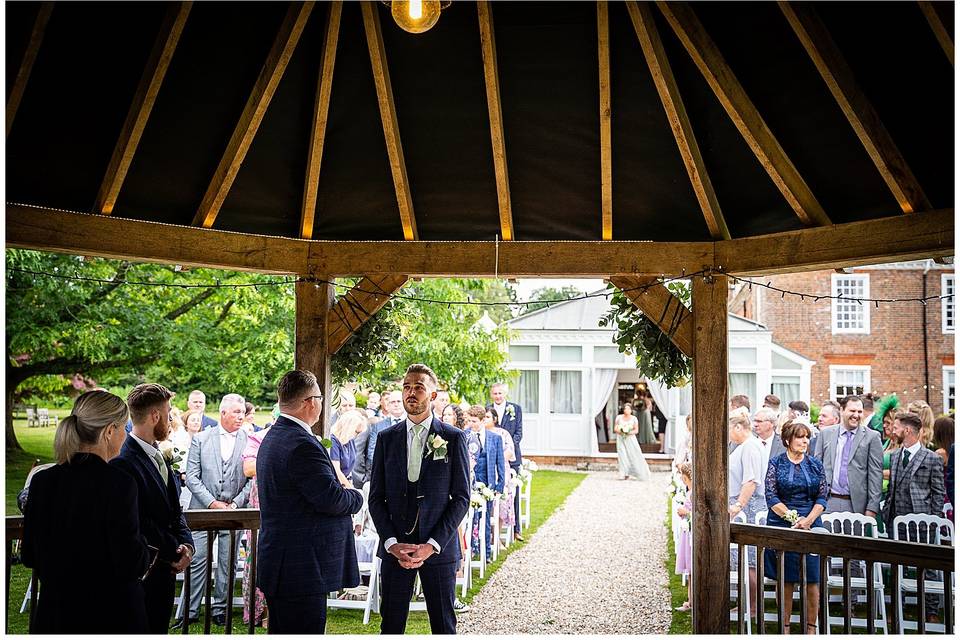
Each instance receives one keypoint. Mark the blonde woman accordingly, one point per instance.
(923, 410)
(343, 450)
(629, 456)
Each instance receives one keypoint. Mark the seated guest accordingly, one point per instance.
(796, 495)
(343, 449)
(491, 468)
(82, 528)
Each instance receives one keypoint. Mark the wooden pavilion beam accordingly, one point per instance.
(660, 305)
(358, 305)
(939, 27)
(491, 78)
(388, 114)
(743, 112)
(256, 107)
(642, 17)
(606, 144)
(828, 59)
(319, 127)
(898, 237)
(26, 64)
(314, 303)
(141, 106)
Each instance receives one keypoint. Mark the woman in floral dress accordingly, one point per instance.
(491, 422)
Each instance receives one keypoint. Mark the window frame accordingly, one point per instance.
(948, 304)
(836, 368)
(865, 308)
(948, 369)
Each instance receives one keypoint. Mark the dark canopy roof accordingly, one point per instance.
(93, 55)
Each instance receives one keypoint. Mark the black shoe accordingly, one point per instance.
(220, 619)
(179, 623)
(519, 537)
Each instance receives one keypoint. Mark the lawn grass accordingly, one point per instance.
(549, 490)
(681, 622)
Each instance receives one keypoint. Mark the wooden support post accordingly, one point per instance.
(711, 522)
(314, 302)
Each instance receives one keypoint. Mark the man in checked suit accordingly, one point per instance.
(216, 481)
(158, 497)
(306, 538)
(510, 419)
(419, 494)
(916, 485)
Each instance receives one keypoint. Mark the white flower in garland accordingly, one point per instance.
(476, 500)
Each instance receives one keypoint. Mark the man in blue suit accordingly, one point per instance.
(419, 495)
(491, 468)
(306, 544)
(510, 418)
(158, 496)
(197, 401)
(394, 415)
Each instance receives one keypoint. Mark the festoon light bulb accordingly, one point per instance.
(415, 16)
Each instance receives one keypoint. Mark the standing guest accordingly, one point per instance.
(745, 488)
(419, 494)
(943, 440)
(343, 448)
(192, 423)
(306, 545)
(361, 467)
(348, 402)
(829, 415)
(684, 451)
(684, 561)
(868, 400)
(923, 410)
(441, 401)
(796, 495)
(948, 481)
(771, 401)
(508, 510)
(882, 422)
(394, 415)
(455, 417)
(510, 419)
(161, 519)
(798, 409)
(216, 480)
(630, 460)
(491, 466)
(81, 530)
(764, 425)
(248, 424)
(852, 457)
(249, 457)
(645, 434)
(197, 401)
(373, 405)
(657, 418)
(739, 402)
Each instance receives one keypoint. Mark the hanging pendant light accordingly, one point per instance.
(416, 16)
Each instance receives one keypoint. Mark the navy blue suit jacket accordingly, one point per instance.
(162, 521)
(206, 423)
(514, 426)
(306, 542)
(491, 467)
(444, 485)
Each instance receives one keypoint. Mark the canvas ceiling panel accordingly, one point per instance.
(356, 199)
(441, 102)
(550, 94)
(652, 195)
(215, 66)
(76, 101)
(908, 78)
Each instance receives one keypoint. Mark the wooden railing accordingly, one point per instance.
(209, 520)
(849, 548)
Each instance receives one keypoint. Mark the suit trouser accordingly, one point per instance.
(516, 502)
(198, 565)
(439, 583)
(298, 614)
(158, 590)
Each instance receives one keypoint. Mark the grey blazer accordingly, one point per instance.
(864, 470)
(918, 488)
(207, 477)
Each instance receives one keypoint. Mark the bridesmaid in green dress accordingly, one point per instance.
(646, 435)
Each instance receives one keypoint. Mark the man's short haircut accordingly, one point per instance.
(740, 421)
(771, 401)
(425, 370)
(832, 406)
(144, 398)
(477, 411)
(294, 385)
(909, 419)
(502, 385)
(766, 414)
(197, 392)
(739, 401)
(793, 430)
(232, 398)
(799, 405)
(848, 399)
(867, 400)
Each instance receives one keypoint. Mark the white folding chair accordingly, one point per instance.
(855, 524)
(922, 529)
(736, 589)
(524, 514)
(494, 529)
(482, 562)
(464, 534)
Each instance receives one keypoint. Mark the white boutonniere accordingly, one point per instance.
(437, 446)
(171, 454)
(511, 411)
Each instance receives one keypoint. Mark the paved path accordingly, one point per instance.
(595, 566)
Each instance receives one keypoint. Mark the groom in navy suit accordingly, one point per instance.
(306, 544)
(419, 495)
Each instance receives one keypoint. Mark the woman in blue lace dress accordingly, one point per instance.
(796, 483)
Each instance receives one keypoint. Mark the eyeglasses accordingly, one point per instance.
(318, 397)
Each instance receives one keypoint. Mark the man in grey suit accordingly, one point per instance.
(765, 426)
(216, 480)
(852, 457)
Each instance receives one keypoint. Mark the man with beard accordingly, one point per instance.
(852, 457)
(161, 519)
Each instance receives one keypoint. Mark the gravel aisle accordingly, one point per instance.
(595, 566)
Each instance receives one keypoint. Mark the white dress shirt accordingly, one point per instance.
(913, 451)
(423, 434)
(500, 408)
(228, 442)
(300, 422)
(148, 449)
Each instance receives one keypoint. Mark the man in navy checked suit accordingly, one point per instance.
(306, 541)
(419, 495)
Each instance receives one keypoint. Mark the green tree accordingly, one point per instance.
(543, 296)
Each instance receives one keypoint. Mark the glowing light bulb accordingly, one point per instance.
(415, 16)
(416, 9)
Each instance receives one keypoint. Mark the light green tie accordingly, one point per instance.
(414, 455)
(158, 457)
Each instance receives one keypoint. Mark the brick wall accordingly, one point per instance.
(894, 347)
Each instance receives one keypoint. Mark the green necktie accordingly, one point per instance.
(158, 458)
(414, 455)
(906, 457)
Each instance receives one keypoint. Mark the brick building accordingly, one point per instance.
(864, 347)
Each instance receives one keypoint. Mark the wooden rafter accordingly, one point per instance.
(743, 112)
(140, 107)
(358, 305)
(939, 28)
(491, 78)
(319, 128)
(642, 17)
(660, 305)
(856, 107)
(388, 114)
(253, 112)
(606, 144)
(26, 65)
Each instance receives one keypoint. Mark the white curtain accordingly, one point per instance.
(670, 402)
(565, 391)
(744, 384)
(603, 382)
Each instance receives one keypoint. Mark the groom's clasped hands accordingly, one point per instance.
(411, 556)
